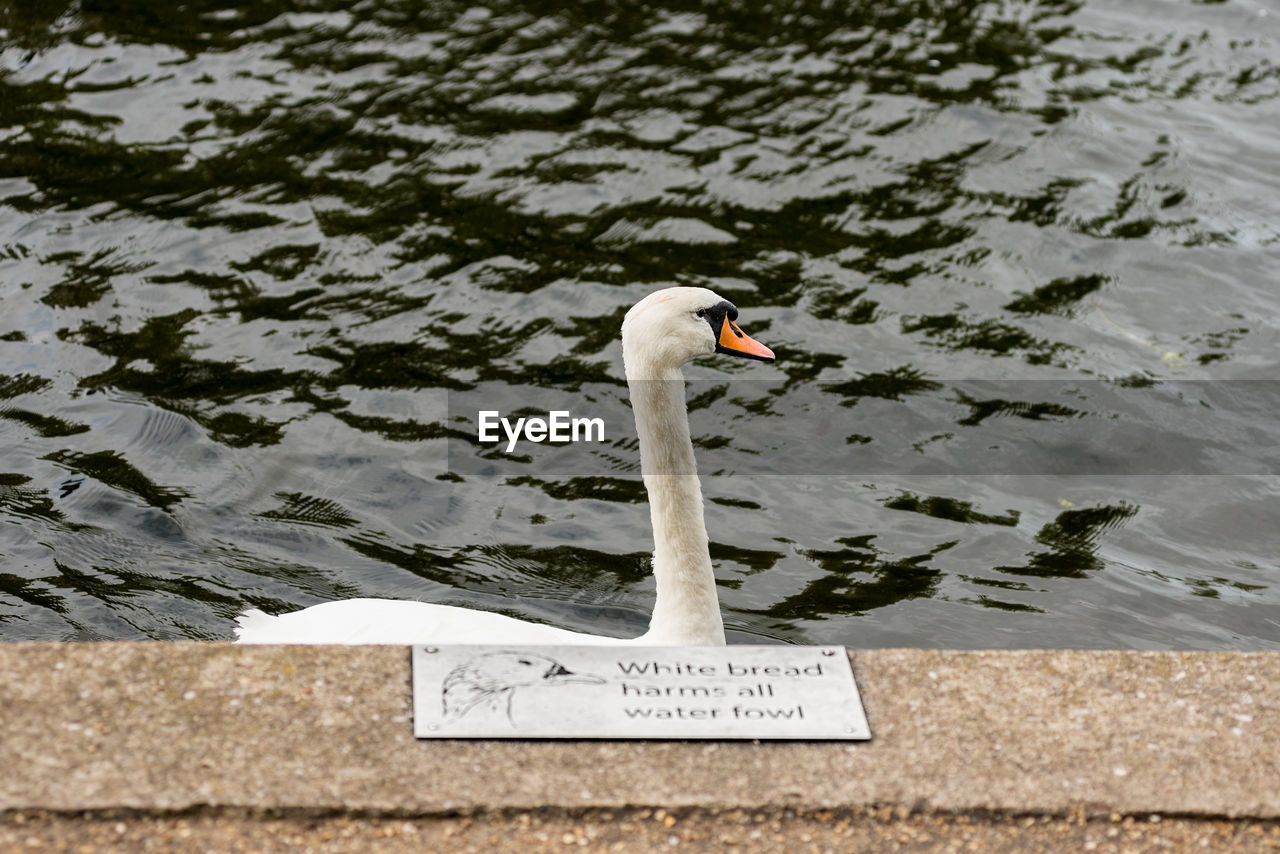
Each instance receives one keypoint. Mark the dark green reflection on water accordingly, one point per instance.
(1071, 542)
(843, 590)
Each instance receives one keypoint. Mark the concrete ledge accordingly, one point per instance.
(166, 729)
(631, 831)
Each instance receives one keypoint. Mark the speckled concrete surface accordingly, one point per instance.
(635, 831)
(207, 730)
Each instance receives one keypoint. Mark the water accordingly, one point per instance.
(1020, 256)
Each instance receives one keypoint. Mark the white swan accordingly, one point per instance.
(659, 335)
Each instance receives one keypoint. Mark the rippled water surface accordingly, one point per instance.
(1018, 261)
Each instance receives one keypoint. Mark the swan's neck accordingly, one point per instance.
(687, 610)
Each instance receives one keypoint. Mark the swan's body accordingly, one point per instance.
(659, 335)
(395, 621)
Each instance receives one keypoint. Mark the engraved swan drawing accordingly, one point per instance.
(488, 683)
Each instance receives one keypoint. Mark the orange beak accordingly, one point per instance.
(735, 342)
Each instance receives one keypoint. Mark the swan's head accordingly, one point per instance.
(674, 325)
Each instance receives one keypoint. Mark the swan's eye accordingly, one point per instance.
(702, 312)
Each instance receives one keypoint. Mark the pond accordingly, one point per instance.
(262, 264)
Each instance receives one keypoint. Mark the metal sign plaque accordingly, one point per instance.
(622, 692)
